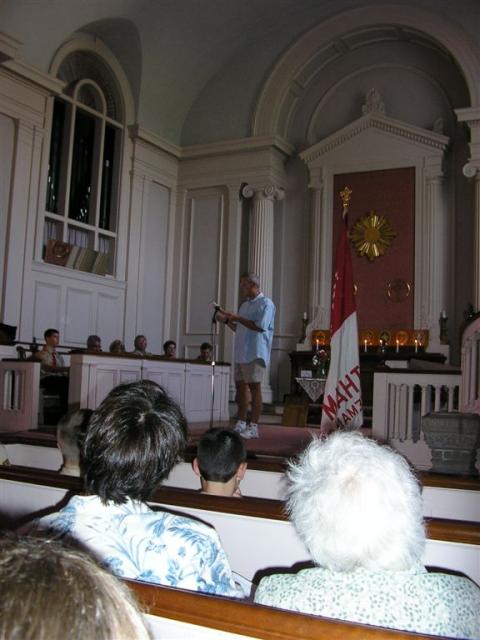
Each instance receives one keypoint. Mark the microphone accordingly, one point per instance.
(216, 309)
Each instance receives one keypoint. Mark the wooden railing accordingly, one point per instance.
(470, 388)
(19, 395)
(248, 619)
(401, 398)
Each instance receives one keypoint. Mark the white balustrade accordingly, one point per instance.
(401, 399)
(19, 395)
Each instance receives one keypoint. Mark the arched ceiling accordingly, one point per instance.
(180, 55)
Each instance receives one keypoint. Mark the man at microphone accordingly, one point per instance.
(253, 327)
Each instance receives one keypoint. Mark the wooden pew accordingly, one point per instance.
(444, 496)
(451, 544)
(214, 617)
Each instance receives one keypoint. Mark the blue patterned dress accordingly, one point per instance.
(135, 542)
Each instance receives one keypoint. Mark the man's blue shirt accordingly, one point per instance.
(252, 345)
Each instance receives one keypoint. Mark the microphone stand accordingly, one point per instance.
(214, 346)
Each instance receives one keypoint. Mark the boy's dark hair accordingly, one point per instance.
(168, 343)
(50, 332)
(134, 439)
(219, 454)
(205, 345)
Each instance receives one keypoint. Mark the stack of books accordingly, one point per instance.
(74, 257)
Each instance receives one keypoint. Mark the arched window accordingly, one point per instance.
(82, 190)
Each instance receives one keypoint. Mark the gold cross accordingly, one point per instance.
(345, 196)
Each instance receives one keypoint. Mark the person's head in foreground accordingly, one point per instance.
(134, 438)
(51, 592)
(357, 506)
(221, 462)
(71, 430)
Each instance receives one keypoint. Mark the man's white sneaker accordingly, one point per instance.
(240, 427)
(251, 431)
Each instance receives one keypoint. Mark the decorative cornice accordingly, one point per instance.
(382, 123)
(254, 143)
(8, 47)
(471, 116)
(31, 74)
(137, 132)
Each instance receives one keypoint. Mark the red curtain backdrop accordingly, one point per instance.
(391, 193)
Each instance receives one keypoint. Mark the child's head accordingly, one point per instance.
(221, 456)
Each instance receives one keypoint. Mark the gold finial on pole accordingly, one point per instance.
(345, 196)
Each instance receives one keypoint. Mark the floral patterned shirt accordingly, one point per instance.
(414, 600)
(133, 541)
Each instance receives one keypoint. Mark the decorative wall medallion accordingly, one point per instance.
(372, 235)
(402, 337)
(398, 290)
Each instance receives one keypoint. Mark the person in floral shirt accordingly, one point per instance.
(133, 440)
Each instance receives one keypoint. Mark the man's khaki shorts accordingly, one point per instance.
(250, 372)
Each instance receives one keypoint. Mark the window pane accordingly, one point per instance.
(89, 96)
(106, 247)
(107, 199)
(56, 156)
(82, 165)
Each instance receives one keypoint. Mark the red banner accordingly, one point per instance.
(342, 399)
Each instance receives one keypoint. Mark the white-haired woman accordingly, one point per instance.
(358, 508)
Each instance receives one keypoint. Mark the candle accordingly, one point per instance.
(398, 346)
(365, 345)
(317, 344)
(304, 315)
(416, 345)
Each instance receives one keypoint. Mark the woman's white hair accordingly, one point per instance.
(356, 504)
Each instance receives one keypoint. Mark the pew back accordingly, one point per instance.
(246, 527)
(199, 616)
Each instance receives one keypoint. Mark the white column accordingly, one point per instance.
(435, 256)
(260, 255)
(472, 171)
(320, 257)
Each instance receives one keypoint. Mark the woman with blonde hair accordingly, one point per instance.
(52, 592)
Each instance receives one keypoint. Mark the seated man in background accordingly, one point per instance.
(71, 431)
(50, 358)
(205, 352)
(94, 343)
(54, 373)
(170, 349)
(358, 508)
(221, 462)
(133, 440)
(50, 592)
(140, 346)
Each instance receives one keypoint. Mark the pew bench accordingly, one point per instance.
(246, 526)
(175, 613)
(444, 496)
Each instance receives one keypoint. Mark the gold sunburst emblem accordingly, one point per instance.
(372, 235)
